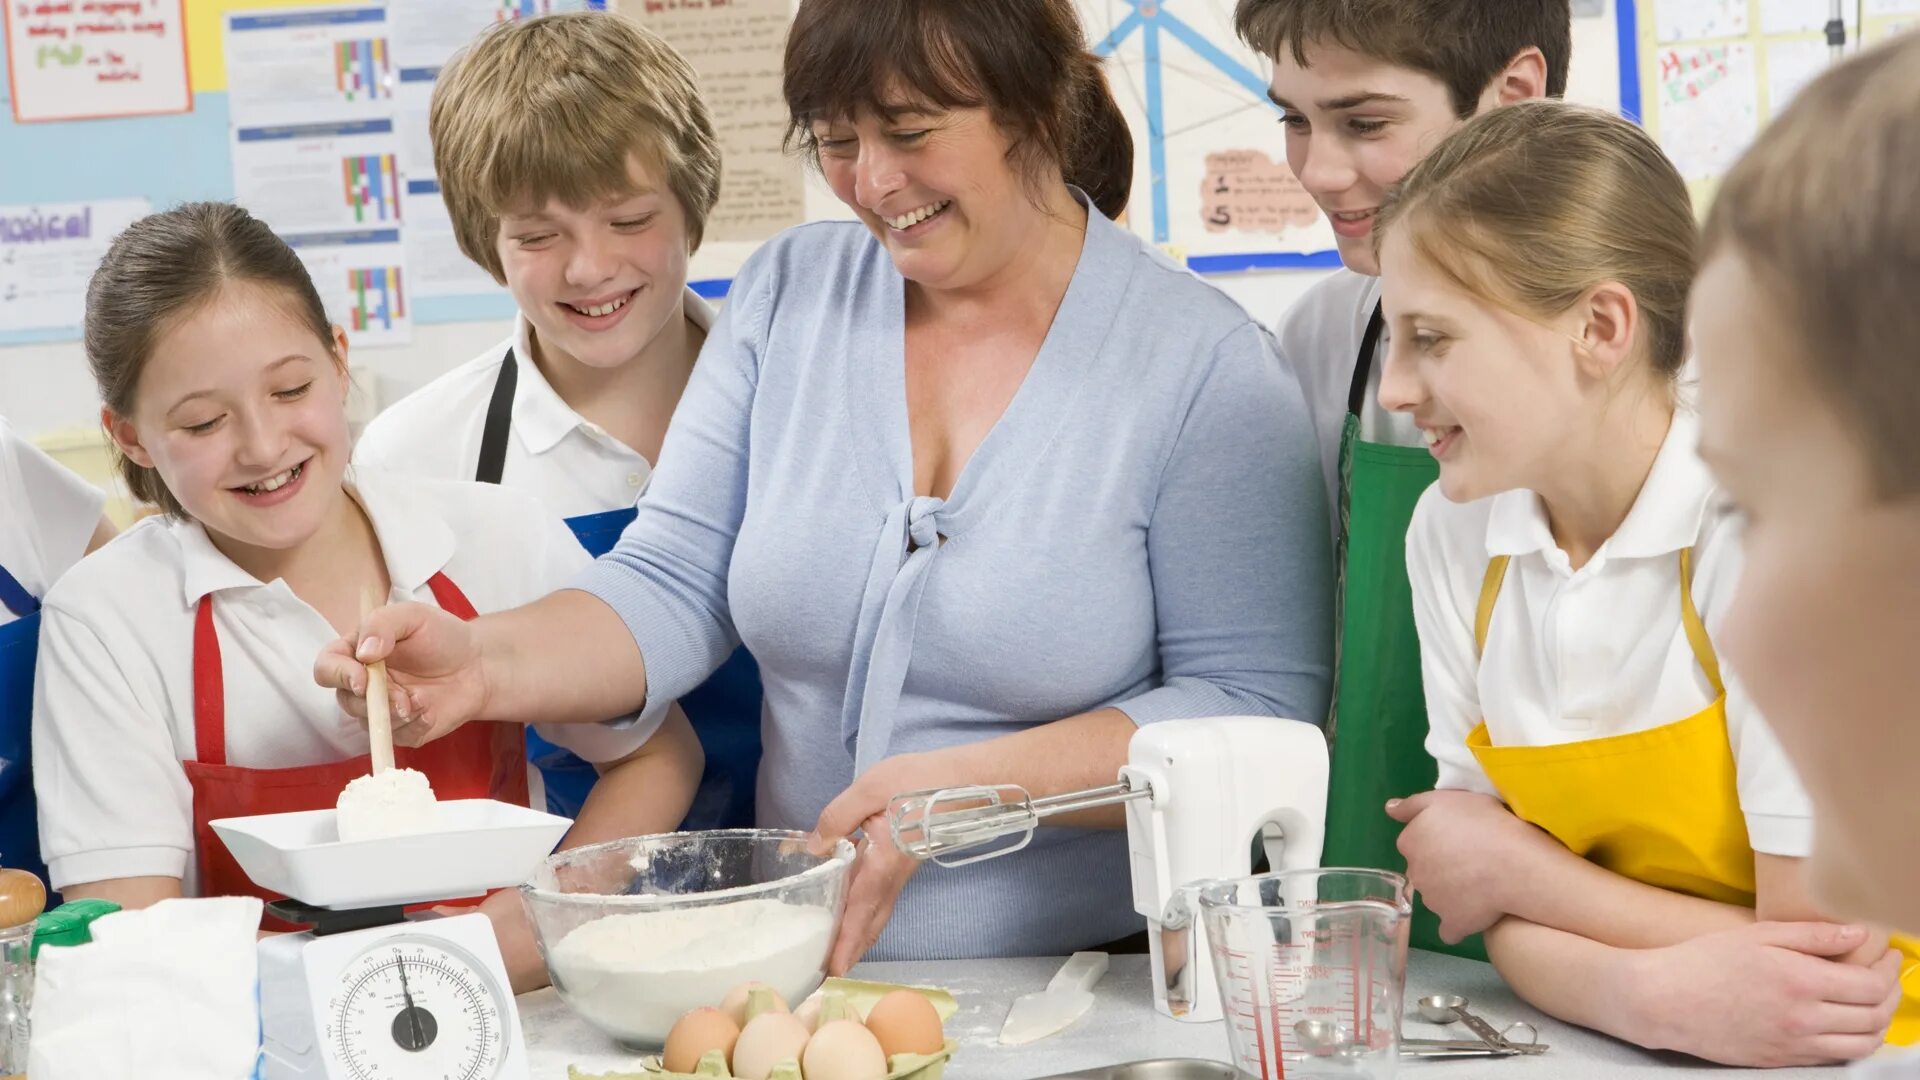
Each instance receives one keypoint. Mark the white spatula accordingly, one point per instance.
(1066, 998)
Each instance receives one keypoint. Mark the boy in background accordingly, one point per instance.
(579, 166)
(1367, 88)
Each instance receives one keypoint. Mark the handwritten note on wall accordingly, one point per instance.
(1247, 191)
(736, 48)
(85, 59)
(48, 253)
(1709, 106)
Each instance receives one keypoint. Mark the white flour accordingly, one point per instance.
(392, 803)
(634, 975)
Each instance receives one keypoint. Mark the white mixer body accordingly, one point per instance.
(1219, 785)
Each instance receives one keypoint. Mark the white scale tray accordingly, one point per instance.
(480, 844)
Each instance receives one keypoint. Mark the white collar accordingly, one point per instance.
(541, 417)
(415, 542)
(1665, 517)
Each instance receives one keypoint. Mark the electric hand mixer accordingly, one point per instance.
(1199, 794)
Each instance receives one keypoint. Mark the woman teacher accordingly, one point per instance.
(982, 480)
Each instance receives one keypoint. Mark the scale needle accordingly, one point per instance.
(413, 1013)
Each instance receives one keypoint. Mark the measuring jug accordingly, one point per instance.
(1311, 966)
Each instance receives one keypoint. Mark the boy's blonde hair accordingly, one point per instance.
(1530, 205)
(553, 108)
(1824, 209)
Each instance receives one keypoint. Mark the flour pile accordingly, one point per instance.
(633, 975)
(392, 803)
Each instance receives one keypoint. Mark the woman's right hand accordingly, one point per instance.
(1769, 994)
(433, 666)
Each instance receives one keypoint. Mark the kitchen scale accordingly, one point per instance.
(367, 993)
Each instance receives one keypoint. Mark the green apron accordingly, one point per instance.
(1378, 730)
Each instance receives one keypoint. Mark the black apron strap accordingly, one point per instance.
(493, 436)
(1363, 364)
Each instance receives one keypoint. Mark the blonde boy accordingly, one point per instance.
(579, 165)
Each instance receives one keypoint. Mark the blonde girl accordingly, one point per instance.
(1611, 809)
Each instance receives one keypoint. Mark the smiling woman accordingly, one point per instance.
(982, 480)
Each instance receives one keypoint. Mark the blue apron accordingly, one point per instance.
(725, 710)
(19, 642)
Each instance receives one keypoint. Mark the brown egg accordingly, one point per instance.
(813, 1009)
(906, 1023)
(843, 1050)
(735, 1003)
(696, 1033)
(766, 1041)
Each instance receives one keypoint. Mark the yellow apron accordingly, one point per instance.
(1660, 806)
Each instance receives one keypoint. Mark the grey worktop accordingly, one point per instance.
(1123, 1026)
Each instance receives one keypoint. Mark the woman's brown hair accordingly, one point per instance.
(162, 269)
(1530, 205)
(1024, 61)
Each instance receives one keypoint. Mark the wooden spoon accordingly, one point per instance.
(379, 718)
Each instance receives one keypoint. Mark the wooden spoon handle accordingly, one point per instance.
(379, 716)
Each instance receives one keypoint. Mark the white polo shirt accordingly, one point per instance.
(1574, 655)
(113, 702)
(1319, 340)
(572, 465)
(47, 516)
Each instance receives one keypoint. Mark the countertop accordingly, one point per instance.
(1123, 1026)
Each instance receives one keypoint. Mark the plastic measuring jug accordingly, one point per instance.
(1311, 965)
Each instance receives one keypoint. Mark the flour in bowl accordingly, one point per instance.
(633, 975)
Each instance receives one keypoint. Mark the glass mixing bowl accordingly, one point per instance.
(636, 932)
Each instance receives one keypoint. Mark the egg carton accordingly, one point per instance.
(861, 996)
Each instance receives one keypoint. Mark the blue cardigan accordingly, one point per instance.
(1144, 528)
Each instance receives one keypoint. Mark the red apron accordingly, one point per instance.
(477, 761)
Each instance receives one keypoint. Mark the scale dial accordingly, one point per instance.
(414, 1007)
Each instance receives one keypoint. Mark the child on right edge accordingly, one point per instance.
(1804, 326)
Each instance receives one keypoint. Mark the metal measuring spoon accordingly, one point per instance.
(1448, 1008)
(1324, 1038)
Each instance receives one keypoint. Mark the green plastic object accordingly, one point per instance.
(70, 924)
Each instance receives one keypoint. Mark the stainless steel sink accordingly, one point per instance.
(1158, 1069)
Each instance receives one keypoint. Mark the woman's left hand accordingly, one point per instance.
(881, 870)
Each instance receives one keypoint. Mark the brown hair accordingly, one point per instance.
(1821, 209)
(164, 268)
(1531, 205)
(1025, 61)
(1463, 43)
(554, 108)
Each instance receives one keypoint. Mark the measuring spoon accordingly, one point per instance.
(1323, 1038)
(1448, 1008)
